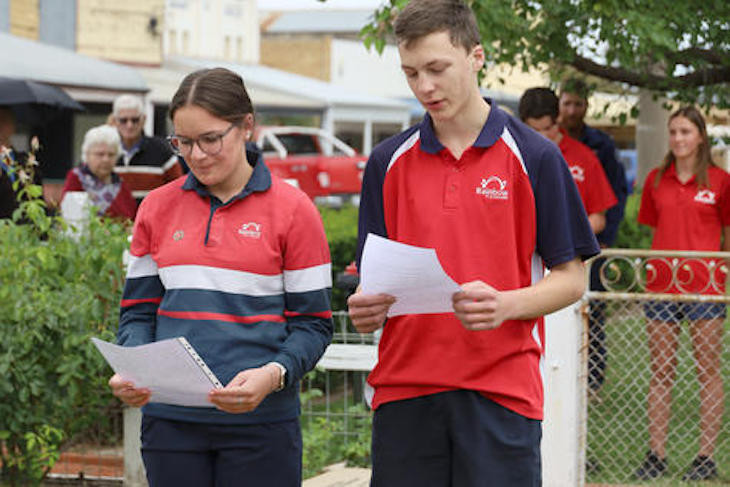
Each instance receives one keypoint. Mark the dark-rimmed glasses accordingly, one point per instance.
(211, 142)
(126, 120)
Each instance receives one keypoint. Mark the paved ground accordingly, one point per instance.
(340, 476)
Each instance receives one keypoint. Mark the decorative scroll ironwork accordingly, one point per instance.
(658, 272)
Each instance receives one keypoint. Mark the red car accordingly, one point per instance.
(312, 159)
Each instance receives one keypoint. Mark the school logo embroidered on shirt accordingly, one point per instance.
(493, 188)
(250, 230)
(578, 173)
(705, 196)
(178, 235)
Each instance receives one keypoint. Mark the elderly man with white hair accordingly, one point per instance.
(95, 175)
(145, 162)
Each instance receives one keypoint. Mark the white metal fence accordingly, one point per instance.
(650, 378)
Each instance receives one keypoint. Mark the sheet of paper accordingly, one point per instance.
(164, 367)
(412, 274)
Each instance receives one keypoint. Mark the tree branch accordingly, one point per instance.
(611, 73)
(703, 77)
(711, 56)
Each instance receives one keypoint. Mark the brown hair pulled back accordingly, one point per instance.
(219, 91)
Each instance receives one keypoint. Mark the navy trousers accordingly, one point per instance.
(454, 439)
(180, 454)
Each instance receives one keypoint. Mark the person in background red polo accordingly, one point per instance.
(538, 108)
(687, 203)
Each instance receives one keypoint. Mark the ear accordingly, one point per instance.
(477, 57)
(248, 121)
(247, 125)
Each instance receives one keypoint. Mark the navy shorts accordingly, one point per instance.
(456, 439)
(674, 312)
(181, 454)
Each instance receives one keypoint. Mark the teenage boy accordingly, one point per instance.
(573, 107)
(458, 396)
(538, 108)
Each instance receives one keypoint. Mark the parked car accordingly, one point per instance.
(313, 159)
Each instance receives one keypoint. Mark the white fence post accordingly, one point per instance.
(134, 473)
(564, 427)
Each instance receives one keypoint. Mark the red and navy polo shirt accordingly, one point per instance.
(507, 207)
(686, 216)
(588, 174)
(246, 282)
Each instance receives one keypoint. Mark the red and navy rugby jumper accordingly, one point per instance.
(500, 213)
(247, 282)
(686, 216)
(588, 175)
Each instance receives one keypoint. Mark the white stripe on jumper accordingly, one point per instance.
(223, 280)
(142, 266)
(309, 279)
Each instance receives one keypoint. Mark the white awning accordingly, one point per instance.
(26, 59)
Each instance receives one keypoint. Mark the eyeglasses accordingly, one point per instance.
(211, 143)
(126, 120)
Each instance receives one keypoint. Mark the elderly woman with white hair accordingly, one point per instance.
(95, 175)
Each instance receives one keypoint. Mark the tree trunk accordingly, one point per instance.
(652, 136)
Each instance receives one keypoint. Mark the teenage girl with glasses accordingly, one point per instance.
(236, 261)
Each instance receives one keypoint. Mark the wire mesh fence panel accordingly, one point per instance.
(335, 418)
(658, 360)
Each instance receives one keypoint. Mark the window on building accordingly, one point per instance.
(239, 48)
(227, 47)
(186, 43)
(172, 41)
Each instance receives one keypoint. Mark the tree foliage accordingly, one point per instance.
(676, 49)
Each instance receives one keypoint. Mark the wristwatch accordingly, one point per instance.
(282, 376)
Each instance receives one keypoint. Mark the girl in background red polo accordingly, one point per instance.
(687, 203)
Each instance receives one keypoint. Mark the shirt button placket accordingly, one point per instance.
(452, 189)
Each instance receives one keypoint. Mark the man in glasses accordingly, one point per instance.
(145, 162)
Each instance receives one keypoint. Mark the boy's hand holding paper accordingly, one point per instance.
(413, 275)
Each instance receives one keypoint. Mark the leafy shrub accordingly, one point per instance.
(632, 235)
(340, 225)
(59, 291)
(327, 440)
(317, 446)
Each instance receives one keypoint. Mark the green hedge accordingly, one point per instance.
(340, 225)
